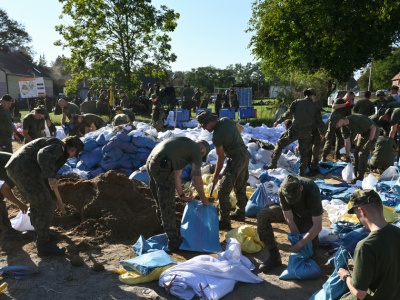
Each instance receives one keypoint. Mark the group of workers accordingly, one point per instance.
(32, 169)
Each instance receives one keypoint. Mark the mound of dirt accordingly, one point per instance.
(110, 207)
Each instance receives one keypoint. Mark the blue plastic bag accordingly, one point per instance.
(200, 228)
(300, 265)
(156, 242)
(334, 287)
(147, 262)
(258, 200)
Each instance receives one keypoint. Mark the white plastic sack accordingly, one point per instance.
(22, 222)
(390, 173)
(348, 173)
(369, 182)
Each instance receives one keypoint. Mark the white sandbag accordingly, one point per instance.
(348, 173)
(253, 181)
(369, 182)
(22, 222)
(391, 173)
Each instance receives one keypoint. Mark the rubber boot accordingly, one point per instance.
(174, 243)
(274, 260)
(238, 216)
(47, 249)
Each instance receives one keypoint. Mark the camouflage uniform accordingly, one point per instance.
(5, 223)
(6, 129)
(333, 132)
(364, 107)
(34, 126)
(157, 116)
(306, 115)
(236, 171)
(360, 124)
(170, 155)
(29, 168)
(315, 147)
(382, 155)
(309, 205)
(120, 119)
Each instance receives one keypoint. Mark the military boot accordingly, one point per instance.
(14, 235)
(324, 157)
(174, 243)
(270, 166)
(274, 260)
(47, 249)
(225, 223)
(238, 216)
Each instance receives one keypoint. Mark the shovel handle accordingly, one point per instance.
(59, 200)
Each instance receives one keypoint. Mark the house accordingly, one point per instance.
(13, 66)
(396, 80)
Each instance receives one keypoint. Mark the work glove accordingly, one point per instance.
(20, 136)
(347, 104)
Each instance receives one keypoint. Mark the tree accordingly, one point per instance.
(59, 74)
(11, 32)
(115, 40)
(336, 37)
(42, 61)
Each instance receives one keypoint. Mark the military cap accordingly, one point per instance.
(311, 91)
(395, 87)
(40, 110)
(362, 197)
(290, 189)
(118, 108)
(204, 118)
(7, 97)
(207, 145)
(153, 96)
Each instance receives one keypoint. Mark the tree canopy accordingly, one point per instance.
(11, 32)
(337, 37)
(115, 40)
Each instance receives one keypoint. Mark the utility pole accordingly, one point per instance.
(370, 76)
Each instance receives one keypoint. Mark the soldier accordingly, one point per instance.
(301, 208)
(33, 124)
(340, 108)
(124, 100)
(394, 96)
(367, 133)
(157, 113)
(68, 110)
(233, 99)
(7, 127)
(171, 96)
(382, 155)
(33, 169)
(187, 97)
(150, 89)
(365, 107)
(228, 142)
(88, 122)
(392, 118)
(128, 112)
(164, 166)
(197, 99)
(381, 103)
(6, 186)
(305, 115)
(218, 103)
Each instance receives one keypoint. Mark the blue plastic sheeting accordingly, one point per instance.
(265, 177)
(200, 228)
(147, 262)
(157, 242)
(300, 265)
(334, 287)
(343, 227)
(385, 186)
(18, 272)
(186, 173)
(141, 176)
(259, 199)
(328, 167)
(329, 190)
(349, 241)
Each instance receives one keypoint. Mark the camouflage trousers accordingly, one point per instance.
(333, 135)
(32, 186)
(234, 177)
(315, 149)
(5, 223)
(361, 153)
(274, 214)
(5, 142)
(162, 186)
(288, 137)
(158, 125)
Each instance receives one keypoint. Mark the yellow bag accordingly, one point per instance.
(388, 212)
(132, 277)
(207, 178)
(248, 238)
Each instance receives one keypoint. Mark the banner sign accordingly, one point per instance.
(32, 87)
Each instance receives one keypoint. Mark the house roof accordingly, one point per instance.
(396, 77)
(13, 62)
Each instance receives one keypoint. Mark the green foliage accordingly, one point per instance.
(114, 40)
(307, 36)
(12, 33)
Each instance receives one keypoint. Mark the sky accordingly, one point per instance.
(208, 32)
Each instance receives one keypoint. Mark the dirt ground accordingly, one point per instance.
(105, 217)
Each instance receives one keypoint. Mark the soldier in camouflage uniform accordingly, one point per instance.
(7, 127)
(88, 122)
(6, 186)
(228, 142)
(305, 115)
(33, 124)
(367, 133)
(164, 166)
(157, 114)
(315, 143)
(365, 106)
(340, 108)
(301, 207)
(33, 169)
(69, 110)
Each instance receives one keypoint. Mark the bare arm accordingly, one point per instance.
(239, 127)
(393, 130)
(220, 163)
(359, 294)
(26, 135)
(178, 186)
(372, 131)
(7, 193)
(288, 214)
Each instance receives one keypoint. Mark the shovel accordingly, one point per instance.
(212, 189)
(59, 200)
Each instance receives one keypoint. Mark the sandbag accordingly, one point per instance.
(200, 228)
(96, 172)
(369, 182)
(132, 277)
(22, 222)
(391, 173)
(146, 263)
(92, 158)
(348, 173)
(264, 195)
(300, 265)
(248, 238)
(334, 287)
(89, 145)
(154, 243)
